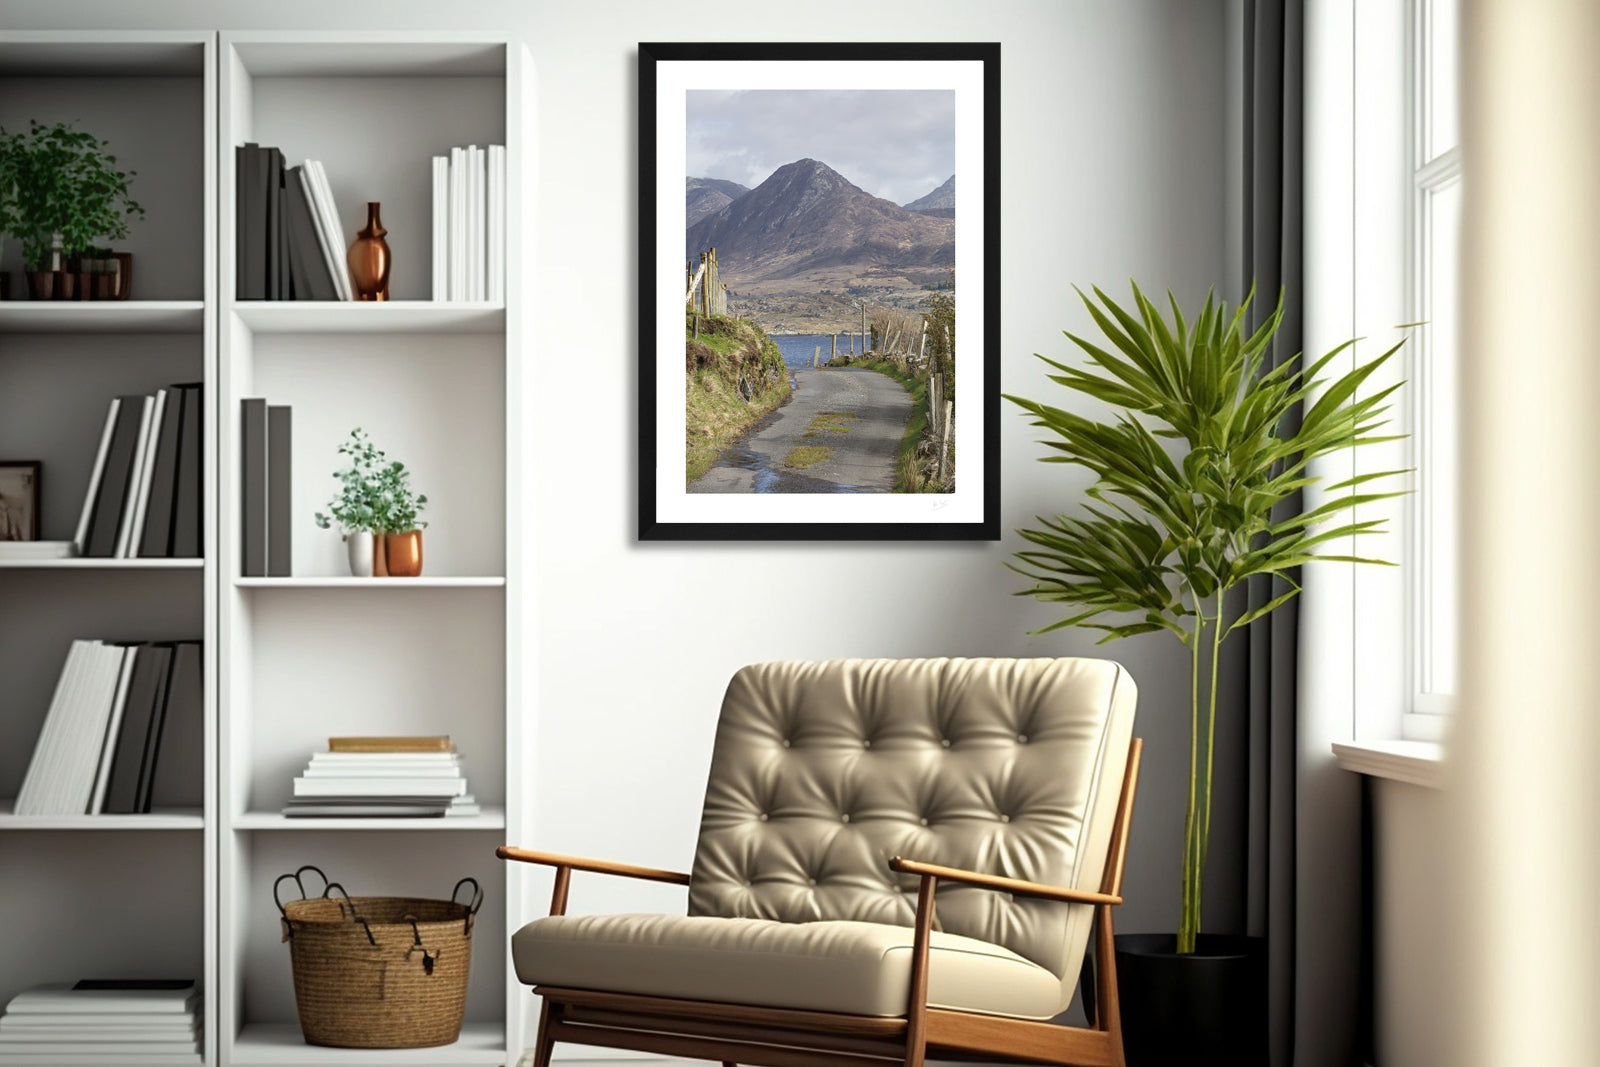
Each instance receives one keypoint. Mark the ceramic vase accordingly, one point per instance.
(369, 259)
(358, 549)
(403, 554)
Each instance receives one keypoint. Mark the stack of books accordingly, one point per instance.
(118, 707)
(144, 494)
(383, 776)
(469, 224)
(290, 244)
(154, 1022)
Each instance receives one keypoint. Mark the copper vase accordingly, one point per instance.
(369, 259)
(402, 554)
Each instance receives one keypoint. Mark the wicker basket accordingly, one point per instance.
(378, 972)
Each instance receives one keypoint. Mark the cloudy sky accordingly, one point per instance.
(895, 143)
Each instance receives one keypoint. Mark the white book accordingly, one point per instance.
(80, 537)
(38, 549)
(52, 799)
(89, 731)
(364, 759)
(74, 1056)
(342, 244)
(441, 228)
(379, 787)
(497, 223)
(32, 793)
(147, 470)
(130, 502)
(319, 224)
(108, 744)
(476, 223)
(329, 233)
(66, 998)
(385, 771)
(458, 223)
(138, 1027)
(93, 1046)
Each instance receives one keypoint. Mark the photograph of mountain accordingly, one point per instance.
(820, 390)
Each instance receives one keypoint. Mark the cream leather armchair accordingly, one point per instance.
(842, 795)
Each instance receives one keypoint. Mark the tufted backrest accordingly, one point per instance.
(821, 771)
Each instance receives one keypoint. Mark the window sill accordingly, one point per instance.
(1416, 762)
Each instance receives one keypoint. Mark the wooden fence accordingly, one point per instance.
(707, 295)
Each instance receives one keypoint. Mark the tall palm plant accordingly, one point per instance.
(1195, 489)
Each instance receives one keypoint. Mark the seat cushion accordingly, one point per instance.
(856, 968)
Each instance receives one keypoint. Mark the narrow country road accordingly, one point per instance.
(839, 433)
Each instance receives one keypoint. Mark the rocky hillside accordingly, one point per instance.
(707, 196)
(807, 217)
(940, 202)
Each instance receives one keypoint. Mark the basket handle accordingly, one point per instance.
(299, 884)
(348, 903)
(477, 900)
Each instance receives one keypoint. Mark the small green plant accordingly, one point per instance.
(354, 509)
(61, 189)
(397, 504)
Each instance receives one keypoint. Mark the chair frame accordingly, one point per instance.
(785, 1037)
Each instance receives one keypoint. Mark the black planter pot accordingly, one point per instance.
(1202, 1009)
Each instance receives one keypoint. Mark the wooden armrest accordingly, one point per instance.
(578, 863)
(1004, 885)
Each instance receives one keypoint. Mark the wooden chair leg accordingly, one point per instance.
(543, 1046)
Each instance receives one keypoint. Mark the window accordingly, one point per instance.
(1431, 521)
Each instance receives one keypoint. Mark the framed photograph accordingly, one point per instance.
(818, 310)
(19, 500)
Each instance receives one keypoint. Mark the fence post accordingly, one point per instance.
(944, 440)
(833, 357)
(816, 358)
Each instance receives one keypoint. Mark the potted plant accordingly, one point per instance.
(354, 507)
(399, 553)
(60, 192)
(1195, 492)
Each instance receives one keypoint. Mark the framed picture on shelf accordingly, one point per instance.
(819, 352)
(19, 500)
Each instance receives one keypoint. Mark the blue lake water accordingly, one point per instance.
(799, 348)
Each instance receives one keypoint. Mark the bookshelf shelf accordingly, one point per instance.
(175, 819)
(394, 316)
(107, 316)
(446, 582)
(82, 564)
(492, 818)
(281, 1043)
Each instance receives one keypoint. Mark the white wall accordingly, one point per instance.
(1112, 166)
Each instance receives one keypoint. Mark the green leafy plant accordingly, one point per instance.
(397, 504)
(59, 184)
(355, 507)
(1194, 489)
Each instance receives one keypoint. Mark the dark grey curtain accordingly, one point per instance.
(1271, 246)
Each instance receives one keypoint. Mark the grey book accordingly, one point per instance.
(279, 493)
(312, 280)
(253, 487)
(177, 756)
(113, 489)
(80, 538)
(150, 668)
(157, 540)
(252, 226)
(187, 518)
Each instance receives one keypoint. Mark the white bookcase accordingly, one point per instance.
(129, 895)
(289, 661)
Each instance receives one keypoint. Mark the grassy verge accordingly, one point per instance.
(908, 477)
(734, 375)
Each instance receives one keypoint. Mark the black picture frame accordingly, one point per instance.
(19, 481)
(668, 511)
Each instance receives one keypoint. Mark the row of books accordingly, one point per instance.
(125, 723)
(469, 224)
(290, 244)
(383, 776)
(143, 498)
(139, 1021)
(265, 512)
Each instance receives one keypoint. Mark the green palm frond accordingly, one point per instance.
(1196, 483)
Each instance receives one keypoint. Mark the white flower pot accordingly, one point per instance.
(358, 549)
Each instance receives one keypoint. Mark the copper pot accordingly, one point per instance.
(369, 259)
(402, 554)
